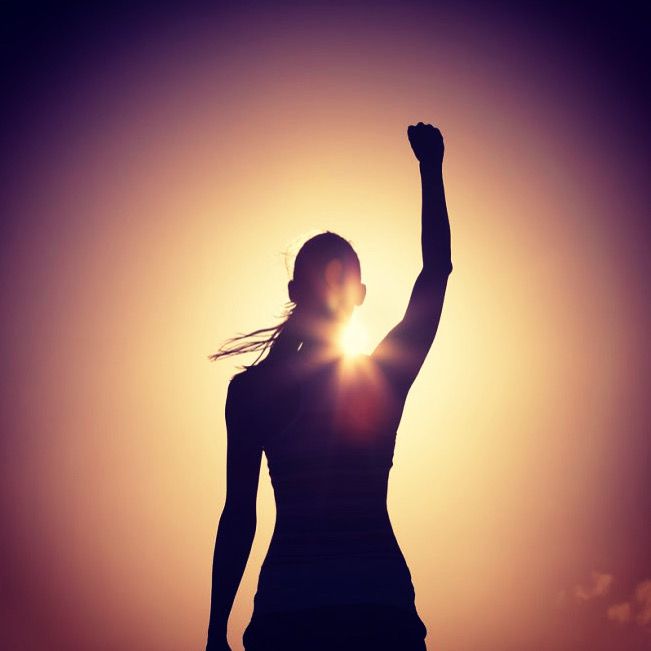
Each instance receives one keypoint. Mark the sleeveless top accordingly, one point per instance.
(328, 432)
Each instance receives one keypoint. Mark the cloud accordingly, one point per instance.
(598, 587)
(620, 613)
(640, 604)
(636, 610)
(643, 598)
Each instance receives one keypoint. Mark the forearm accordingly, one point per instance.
(435, 233)
(232, 548)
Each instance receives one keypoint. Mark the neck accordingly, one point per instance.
(318, 348)
(321, 339)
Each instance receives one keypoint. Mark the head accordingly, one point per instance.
(323, 293)
(327, 282)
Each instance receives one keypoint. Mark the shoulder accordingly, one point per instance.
(240, 410)
(256, 380)
(236, 396)
(239, 386)
(373, 364)
(246, 390)
(388, 371)
(239, 380)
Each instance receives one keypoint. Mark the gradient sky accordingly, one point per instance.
(159, 168)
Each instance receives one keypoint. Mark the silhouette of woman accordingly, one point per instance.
(334, 576)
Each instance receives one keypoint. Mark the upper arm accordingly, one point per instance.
(402, 352)
(243, 452)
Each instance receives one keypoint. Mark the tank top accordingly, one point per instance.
(328, 432)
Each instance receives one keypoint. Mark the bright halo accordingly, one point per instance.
(354, 338)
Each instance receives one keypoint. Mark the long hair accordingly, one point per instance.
(285, 338)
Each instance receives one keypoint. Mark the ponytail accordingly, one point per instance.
(281, 341)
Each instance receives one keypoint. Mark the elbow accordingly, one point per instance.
(435, 273)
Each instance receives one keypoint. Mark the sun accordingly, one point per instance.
(354, 337)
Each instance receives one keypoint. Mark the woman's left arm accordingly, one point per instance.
(237, 523)
(403, 351)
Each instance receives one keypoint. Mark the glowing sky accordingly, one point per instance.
(159, 170)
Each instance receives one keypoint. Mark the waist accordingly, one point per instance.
(338, 536)
(334, 580)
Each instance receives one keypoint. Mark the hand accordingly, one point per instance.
(427, 143)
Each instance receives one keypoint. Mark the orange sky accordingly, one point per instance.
(154, 188)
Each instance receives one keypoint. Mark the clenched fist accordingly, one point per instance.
(427, 143)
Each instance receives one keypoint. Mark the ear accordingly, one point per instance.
(362, 294)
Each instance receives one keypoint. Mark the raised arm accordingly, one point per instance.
(237, 524)
(402, 352)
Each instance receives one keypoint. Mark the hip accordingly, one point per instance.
(376, 626)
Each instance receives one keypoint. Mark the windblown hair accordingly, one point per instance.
(285, 337)
(261, 340)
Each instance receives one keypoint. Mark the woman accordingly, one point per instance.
(334, 576)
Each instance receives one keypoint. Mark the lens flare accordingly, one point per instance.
(354, 337)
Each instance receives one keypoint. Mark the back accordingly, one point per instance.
(328, 432)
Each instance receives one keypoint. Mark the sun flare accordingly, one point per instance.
(354, 337)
